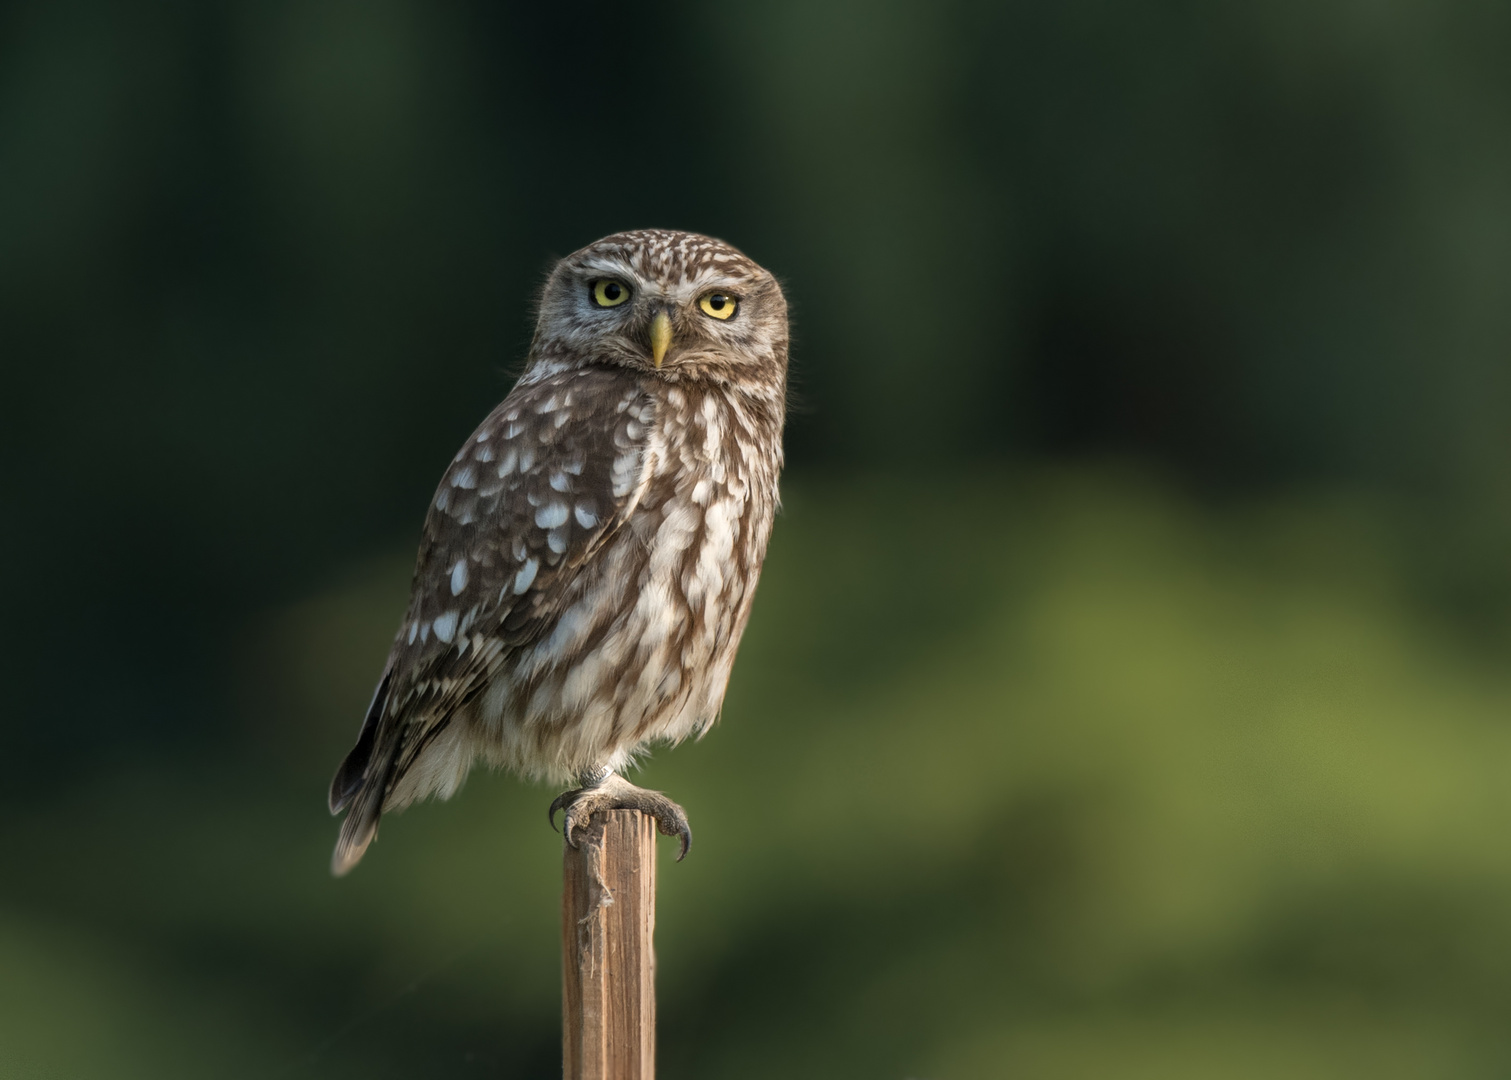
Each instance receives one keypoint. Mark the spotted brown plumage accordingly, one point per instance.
(590, 556)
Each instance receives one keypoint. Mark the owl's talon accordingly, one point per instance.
(558, 803)
(617, 793)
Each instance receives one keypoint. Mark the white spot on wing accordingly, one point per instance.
(525, 576)
(458, 580)
(585, 516)
(551, 515)
(445, 626)
(464, 478)
(623, 473)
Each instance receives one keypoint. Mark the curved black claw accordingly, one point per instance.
(561, 802)
(617, 793)
(674, 823)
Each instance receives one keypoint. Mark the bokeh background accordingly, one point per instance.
(1127, 694)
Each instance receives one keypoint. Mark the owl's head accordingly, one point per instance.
(679, 304)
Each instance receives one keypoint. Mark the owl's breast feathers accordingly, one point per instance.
(586, 571)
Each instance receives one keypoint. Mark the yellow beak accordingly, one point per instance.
(661, 337)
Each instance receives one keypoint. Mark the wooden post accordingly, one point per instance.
(608, 917)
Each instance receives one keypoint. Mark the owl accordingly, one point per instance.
(589, 559)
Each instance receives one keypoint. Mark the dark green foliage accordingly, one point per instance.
(1025, 771)
(1142, 790)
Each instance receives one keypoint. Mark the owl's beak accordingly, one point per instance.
(661, 337)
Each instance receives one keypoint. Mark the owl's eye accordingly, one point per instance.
(719, 305)
(610, 293)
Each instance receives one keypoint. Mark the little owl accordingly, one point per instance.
(589, 560)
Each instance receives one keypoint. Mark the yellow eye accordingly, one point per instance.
(610, 293)
(719, 305)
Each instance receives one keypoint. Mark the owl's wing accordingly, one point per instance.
(547, 477)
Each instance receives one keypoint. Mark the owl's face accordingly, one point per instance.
(674, 303)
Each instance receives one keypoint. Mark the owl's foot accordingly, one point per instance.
(614, 792)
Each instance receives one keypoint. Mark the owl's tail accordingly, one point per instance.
(359, 828)
(360, 785)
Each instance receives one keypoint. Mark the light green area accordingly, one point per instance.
(1051, 776)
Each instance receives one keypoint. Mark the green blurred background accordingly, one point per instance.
(1127, 694)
